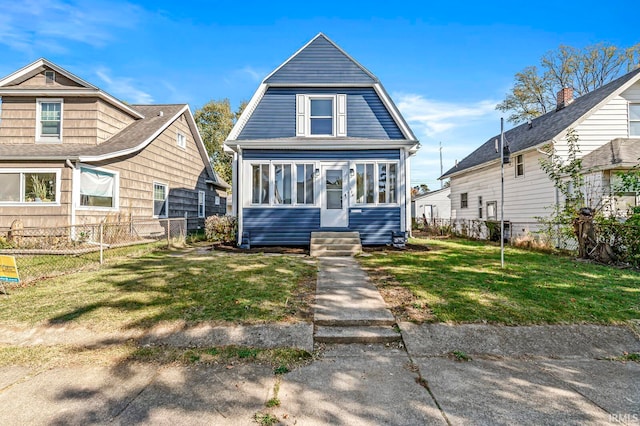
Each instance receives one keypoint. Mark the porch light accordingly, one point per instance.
(316, 173)
(352, 172)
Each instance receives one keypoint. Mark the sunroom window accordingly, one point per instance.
(304, 184)
(260, 180)
(376, 183)
(282, 184)
(282, 188)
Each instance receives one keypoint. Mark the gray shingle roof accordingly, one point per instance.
(619, 153)
(129, 138)
(543, 128)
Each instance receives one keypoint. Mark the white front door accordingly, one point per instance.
(335, 200)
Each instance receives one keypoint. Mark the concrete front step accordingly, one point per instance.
(335, 234)
(346, 240)
(338, 244)
(375, 320)
(363, 334)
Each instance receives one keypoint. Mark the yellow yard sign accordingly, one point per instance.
(8, 269)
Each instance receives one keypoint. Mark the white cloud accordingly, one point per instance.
(460, 127)
(30, 25)
(123, 88)
(436, 117)
(255, 75)
(244, 76)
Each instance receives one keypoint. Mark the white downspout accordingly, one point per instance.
(237, 195)
(73, 194)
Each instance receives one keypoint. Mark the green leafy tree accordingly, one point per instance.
(215, 120)
(534, 89)
(566, 175)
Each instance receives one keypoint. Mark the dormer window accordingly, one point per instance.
(49, 77)
(634, 119)
(321, 115)
(49, 120)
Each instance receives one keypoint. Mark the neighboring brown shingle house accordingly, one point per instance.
(71, 153)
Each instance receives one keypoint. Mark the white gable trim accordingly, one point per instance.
(248, 111)
(90, 89)
(606, 100)
(366, 71)
(395, 113)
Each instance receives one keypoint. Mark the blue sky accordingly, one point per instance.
(445, 64)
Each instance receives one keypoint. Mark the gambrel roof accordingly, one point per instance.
(319, 64)
(547, 127)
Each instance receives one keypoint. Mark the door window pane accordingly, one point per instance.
(334, 189)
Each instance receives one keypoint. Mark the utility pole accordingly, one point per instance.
(501, 192)
(441, 172)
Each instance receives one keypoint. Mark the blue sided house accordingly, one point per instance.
(321, 147)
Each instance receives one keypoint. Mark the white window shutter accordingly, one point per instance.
(301, 106)
(341, 116)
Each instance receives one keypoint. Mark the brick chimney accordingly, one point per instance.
(564, 97)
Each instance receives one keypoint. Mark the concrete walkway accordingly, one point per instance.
(516, 375)
(348, 307)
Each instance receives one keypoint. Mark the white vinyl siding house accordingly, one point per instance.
(599, 119)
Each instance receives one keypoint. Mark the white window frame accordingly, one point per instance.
(202, 205)
(495, 210)
(376, 182)
(519, 162)
(23, 203)
(44, 138)
(116, 190)
(637, 105)
(339, 115)
(294, 186)
(49, 80)
(166, 200)
(181, 140)
(464, 201)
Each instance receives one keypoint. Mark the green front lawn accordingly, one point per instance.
(461, 281)
(169, 286)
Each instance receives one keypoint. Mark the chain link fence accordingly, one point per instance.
(47, 252)
(609, 242)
